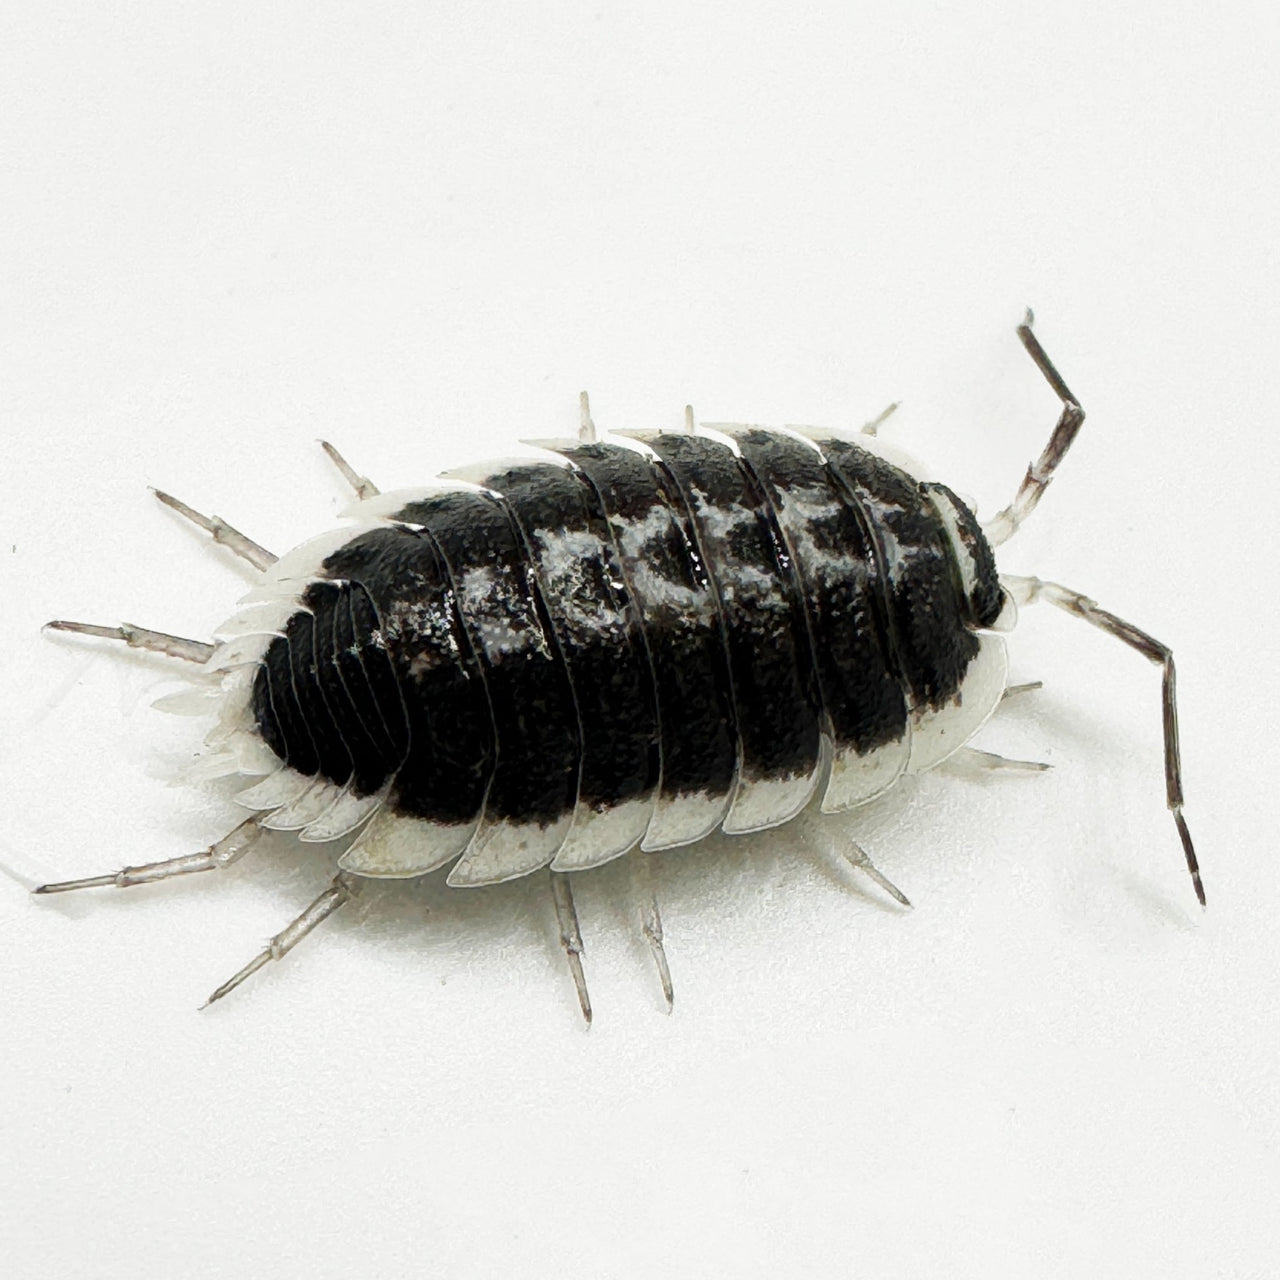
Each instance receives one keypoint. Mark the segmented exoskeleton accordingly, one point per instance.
(626, 645)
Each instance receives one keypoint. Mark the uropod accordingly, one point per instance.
(543, 664)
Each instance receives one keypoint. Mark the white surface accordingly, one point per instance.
(419, 231)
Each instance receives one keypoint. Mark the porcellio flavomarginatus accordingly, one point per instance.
(627, 645)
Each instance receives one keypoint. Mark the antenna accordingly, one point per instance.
(1040, 472)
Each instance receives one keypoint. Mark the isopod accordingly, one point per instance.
(626, 645)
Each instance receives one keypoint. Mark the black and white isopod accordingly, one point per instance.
(624, 647)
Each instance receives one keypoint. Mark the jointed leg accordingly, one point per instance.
(989, 761)
(197, 651)
(1040, 472)
(222, 532)
(857, 856)
(364, 487)
(232, 847)
(651, 926)
(586, 424)
(341, 889)
(873, 427)
(570, 937)
(651, 919)
(1029, 590)
(1017, 690)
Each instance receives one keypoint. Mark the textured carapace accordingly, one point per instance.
(634, 645)
(628, 644)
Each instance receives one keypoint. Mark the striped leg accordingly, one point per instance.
(972, 760)
(651, 919)
(857, 857)
(1040, 472)
(570, 937)
(586, 424)
(222, 533)
(197, 651)
(341, 889)
(231, 848)
(1017, 690)
(873, 427)
(1029, 590)
(364, 487)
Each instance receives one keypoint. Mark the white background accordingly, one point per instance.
(419, 230)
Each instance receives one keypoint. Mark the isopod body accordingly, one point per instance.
(635, 649)
(628, 644)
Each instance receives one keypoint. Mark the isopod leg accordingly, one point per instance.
(570, 937)
(342, 888)
(1040, 472)
(197, 651)
(364, 487)
(651, 920)
(222, 533)
(857, 856)
(232, 847)
(988, 761)
(586, 424)
(873, 427)
(1029, 590)
(1016, 690)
